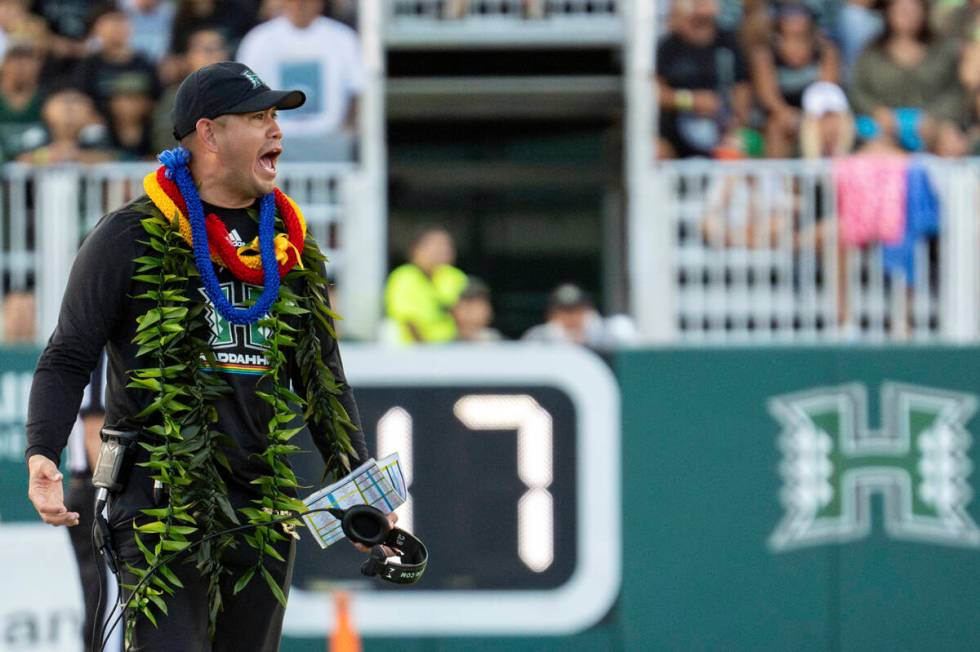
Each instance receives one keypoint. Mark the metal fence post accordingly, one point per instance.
(959, 272)
(650, 242)
(57, 210)
(364, 234)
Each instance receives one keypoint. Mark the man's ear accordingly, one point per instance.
(205, 134)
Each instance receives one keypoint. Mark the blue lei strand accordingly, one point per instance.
(175, 160)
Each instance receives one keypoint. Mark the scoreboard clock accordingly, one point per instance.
(511, 454)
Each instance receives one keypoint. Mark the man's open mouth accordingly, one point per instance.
(268, 160)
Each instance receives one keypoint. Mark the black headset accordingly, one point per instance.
(369, 526)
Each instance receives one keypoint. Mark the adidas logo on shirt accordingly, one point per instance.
(235, 239)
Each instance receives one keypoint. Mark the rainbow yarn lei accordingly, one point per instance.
(171, 189)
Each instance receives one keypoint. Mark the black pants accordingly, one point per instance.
(249, 622)
(81, 499)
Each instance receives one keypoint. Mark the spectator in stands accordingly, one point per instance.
(17, 22)
(906, 89)
(703, 82)
(303, 49)
(74, 131)
(420, 294)
(796, 57)
(68, 22)
(859, 23)
(130, 111)
(97, 73)
(573, 319)
(233, 18)
(19, 326)
(828, 125)
(152, 21)
(474, 313)
(204, 47)
(20, 96)
(752, 19)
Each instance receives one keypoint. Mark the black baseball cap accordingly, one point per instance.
(223, 88)
(568, 295)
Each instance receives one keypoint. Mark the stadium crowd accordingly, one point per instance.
(85, 81)
(875, 87)
(818, 78)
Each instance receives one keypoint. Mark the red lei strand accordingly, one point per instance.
(219, 242)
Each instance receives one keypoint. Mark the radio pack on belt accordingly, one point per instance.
(115, 459)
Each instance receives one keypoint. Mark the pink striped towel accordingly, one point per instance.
(871, 201)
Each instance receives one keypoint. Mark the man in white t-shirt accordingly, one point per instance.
(307, 51)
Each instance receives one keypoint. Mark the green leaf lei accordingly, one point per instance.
(185, 449)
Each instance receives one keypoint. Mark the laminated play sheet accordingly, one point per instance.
(380, 484)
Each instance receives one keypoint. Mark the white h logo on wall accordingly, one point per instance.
(832, 464)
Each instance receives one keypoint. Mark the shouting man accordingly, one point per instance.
(211, 301)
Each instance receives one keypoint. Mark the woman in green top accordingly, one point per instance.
(420, 294)
(906, 88)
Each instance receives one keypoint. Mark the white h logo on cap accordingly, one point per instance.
(252, 77)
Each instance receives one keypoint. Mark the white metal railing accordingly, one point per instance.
(47, 211)
(366, 229)
(695, 276)
(648, 241)
(510, 9)
(474, 23)
(753, 254)
(16, 246)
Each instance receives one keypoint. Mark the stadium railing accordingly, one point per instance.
(491, 23)
(752, 254)
(696, 274)
(48, 211)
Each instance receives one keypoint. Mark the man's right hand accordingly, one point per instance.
(46, 492)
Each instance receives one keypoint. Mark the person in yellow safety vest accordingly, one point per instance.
(420, 294)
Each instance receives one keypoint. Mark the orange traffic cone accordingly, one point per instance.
(344, 637)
